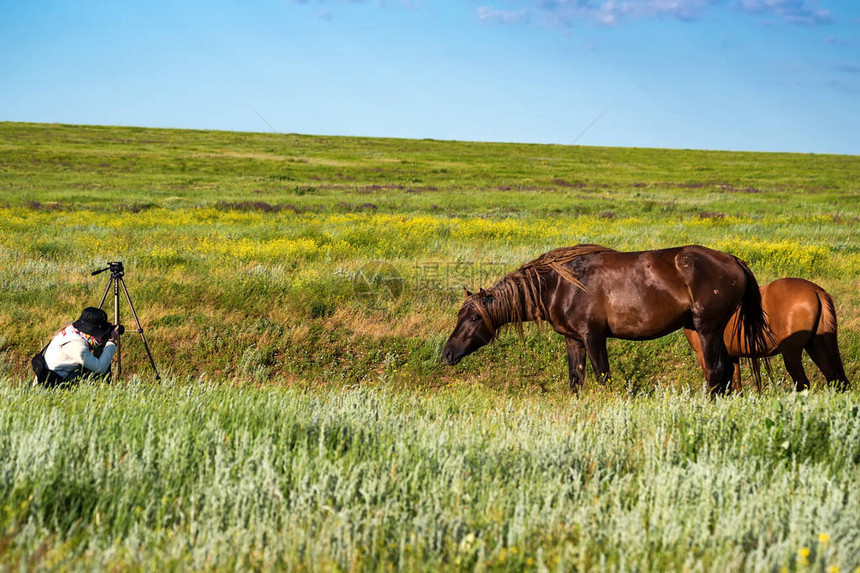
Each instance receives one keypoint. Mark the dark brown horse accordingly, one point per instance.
(801, 316)
(588, 293)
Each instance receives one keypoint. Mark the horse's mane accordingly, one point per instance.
(517, 295)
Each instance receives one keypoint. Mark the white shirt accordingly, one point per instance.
(69, 351)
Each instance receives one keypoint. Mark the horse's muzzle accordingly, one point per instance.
(449, 358)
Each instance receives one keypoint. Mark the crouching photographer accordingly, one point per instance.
(81, 349)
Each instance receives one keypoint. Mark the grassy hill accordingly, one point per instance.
(296, 292)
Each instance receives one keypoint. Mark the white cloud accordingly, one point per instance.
(793, 11)
(492, 16)
(405, 4)
(613, 12)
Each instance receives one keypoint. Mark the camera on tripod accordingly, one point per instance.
(115, 267)
(117, 271)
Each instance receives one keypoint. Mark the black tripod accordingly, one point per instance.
(116, 274)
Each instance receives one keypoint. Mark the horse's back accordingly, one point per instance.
(794, 307)
(793, 310)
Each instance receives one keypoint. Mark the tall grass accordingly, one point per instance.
(212, 477)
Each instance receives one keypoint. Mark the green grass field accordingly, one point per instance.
(296, 292)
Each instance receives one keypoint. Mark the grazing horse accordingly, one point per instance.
(801, 316)
(588, 293)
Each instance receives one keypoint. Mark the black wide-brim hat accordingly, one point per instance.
(93, 321)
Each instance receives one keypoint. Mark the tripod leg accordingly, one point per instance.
(114, 281)
(116, 321)
(104, 296)
(140, 330)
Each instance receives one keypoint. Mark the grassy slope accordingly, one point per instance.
(257, 237)
(99, 167)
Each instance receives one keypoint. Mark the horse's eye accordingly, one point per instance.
(475, 318)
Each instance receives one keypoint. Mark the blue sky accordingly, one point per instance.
(769, 75)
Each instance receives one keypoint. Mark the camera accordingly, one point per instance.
(115, 267)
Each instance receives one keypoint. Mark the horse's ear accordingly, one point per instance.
(466, 291)
(488, 298)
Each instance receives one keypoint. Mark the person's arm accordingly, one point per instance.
(82, 355)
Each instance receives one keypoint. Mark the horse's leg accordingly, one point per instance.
(793, 360)
(718, 370)
(824, 351)
(595, 345)
(575, 363)
(693, 339)
(736, 375)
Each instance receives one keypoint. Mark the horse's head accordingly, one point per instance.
(474, 328)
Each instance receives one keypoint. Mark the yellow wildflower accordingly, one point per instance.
(803, 556)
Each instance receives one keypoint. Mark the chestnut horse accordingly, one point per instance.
(801, 316)
(588, 293)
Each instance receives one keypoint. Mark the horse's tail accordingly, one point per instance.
(827, 320)
(827, 327)
(751, 329)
